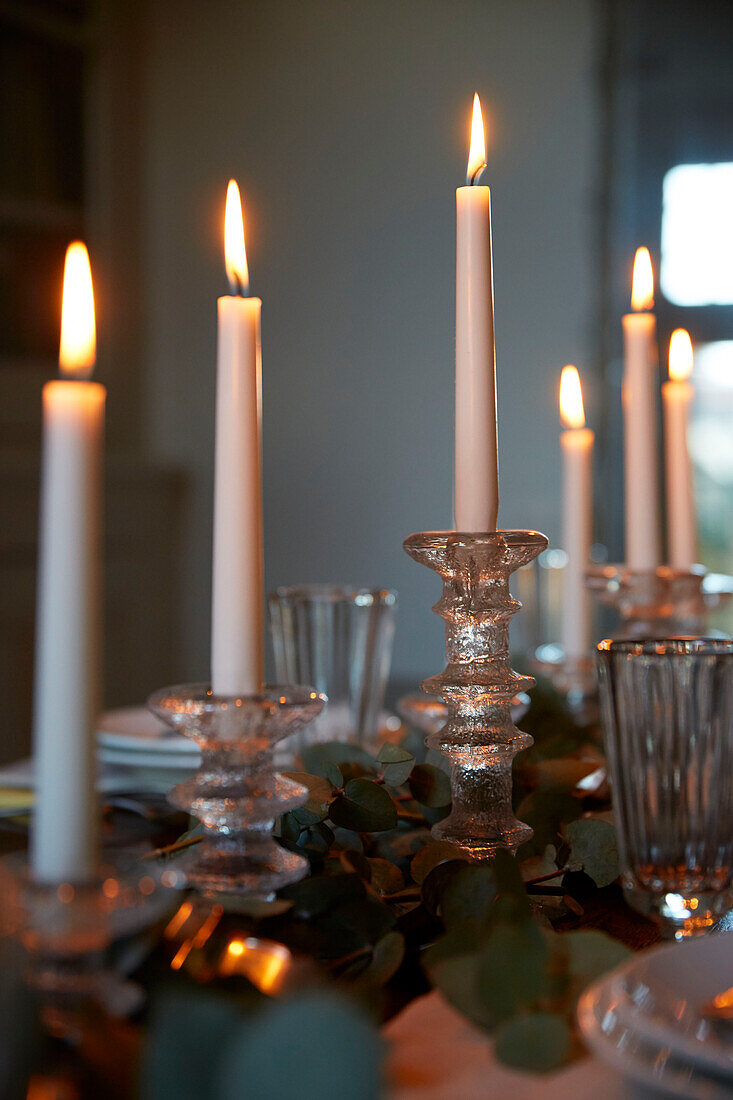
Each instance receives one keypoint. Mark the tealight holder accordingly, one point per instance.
(478, 685)
(237, 794)
(662, 602)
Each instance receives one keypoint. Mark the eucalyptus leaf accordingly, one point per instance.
(436, 881)
(594, 849)
(512, 970)
(468, 896)
(367, 919)
(23, 1039)
(509, 881)
(591, 953)
(318, 759)
(357, 862)
(364, 807)
(290, 828)
(538, 1042)
(333, 774)
(386, 878)
(401, 844)
(314, 1046)
(348, 840)
(305, 817)
(386, 959)
(187, 1032)
(320, 792)
(546, 812)
(437, 851)
(316, 839)
(414, 742)
(456, 978)
(399, 772)
(319, 893)
(430, 786)
(390, 753)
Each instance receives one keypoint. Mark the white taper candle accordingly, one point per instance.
(476, 493)
(640, 422)
(577, 515)
(65, 834)
(677, 396)
(237, 639)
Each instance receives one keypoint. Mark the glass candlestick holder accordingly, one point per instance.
(478, 685)
(66, 929)
(237, 794)
(661, 602)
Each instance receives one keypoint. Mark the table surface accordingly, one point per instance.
(457, 1054)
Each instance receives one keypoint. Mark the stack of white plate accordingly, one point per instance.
(648, 1019)
(139, 746)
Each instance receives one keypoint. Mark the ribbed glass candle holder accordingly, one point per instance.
(237, 794)
(478, 685)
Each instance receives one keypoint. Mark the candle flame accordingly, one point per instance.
(78, 347)
(234, 251)
(572, 413)
(642, 282)
(477, 152)
(680, 355)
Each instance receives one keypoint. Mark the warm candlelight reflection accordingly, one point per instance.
(642, 283)
(572, 413)
(78, 349)
(234, 251)
(477, 153)
(680, 355)
(262, 962)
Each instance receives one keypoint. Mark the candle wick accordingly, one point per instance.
(237, 286)
(476, 176)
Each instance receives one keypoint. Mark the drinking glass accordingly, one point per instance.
(340, 639)
(667, 708)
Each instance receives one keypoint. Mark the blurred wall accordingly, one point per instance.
(346, 124)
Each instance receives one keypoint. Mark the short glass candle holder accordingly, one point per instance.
(478, 685)
(662, 602)
(66, 929)
(667, 708)
(237, 794)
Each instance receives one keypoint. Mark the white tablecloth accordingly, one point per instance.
(436, 1054)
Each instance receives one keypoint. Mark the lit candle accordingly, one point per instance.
(237, 642)
(577, 514)
(476, 468)
(640, 420)
(64, 843)
(677, 396)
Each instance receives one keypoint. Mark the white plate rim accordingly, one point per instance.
(695, 1050)
(628, 1063)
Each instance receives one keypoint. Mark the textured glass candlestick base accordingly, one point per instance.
(659, 603)
(478, 685)
(66, 929)
(236, 794)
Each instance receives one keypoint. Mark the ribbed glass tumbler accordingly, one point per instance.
(667, 709)
(340, 639)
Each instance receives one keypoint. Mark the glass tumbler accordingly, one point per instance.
(340, 637)
(667, 708)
